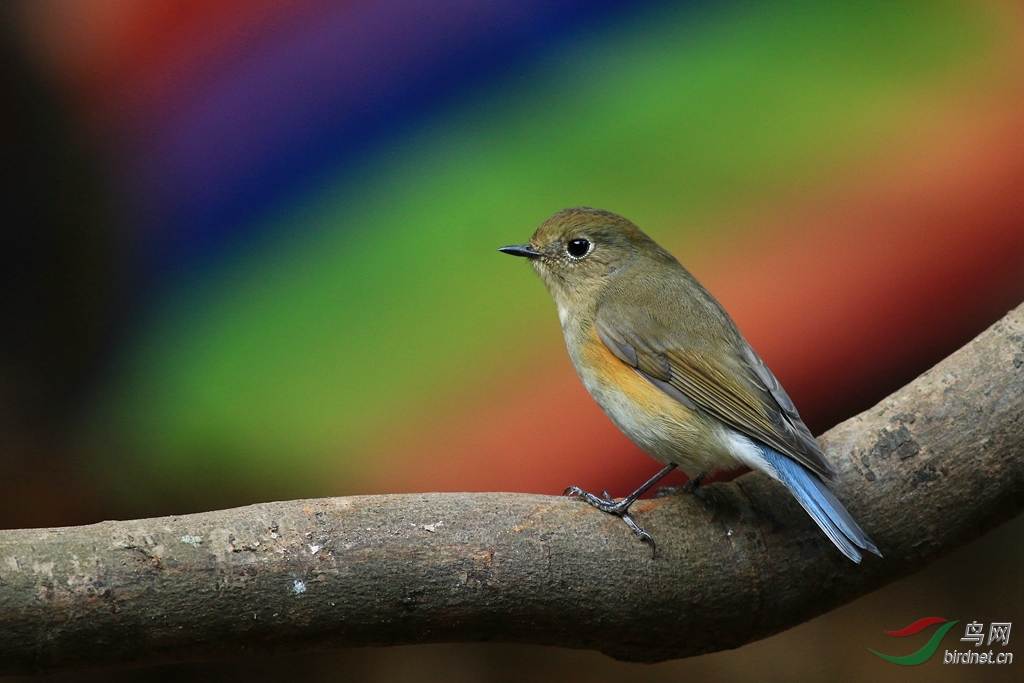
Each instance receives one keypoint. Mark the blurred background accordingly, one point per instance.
(248, 252)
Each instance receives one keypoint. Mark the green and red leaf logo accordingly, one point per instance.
(927, 650)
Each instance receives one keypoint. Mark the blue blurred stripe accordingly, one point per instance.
(319, 97)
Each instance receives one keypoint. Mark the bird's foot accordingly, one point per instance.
(613, 507)
(606, 504)
(665, 491)
(692, 486)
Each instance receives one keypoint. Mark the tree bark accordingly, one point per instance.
(933, 466)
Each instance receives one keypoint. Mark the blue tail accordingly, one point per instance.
(821, 505)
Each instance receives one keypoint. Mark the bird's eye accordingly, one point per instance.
(578, 248)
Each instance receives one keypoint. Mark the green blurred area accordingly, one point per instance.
(375, 305)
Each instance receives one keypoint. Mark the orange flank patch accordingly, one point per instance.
(617, 373)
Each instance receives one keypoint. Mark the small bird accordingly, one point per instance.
(667, 364)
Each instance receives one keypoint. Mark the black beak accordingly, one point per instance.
(521, 250)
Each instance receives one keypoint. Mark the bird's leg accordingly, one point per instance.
(607, 504)
(621, 508)
(691, 486)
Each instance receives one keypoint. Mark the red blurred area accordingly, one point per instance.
(126, 62)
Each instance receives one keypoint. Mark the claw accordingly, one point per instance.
(644, 536)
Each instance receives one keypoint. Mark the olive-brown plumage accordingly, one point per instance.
(667, 364)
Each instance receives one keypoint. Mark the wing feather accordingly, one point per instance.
(736, 386)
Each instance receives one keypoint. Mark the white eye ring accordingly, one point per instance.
(578, 248)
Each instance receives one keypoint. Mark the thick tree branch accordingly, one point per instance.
(930, 468)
